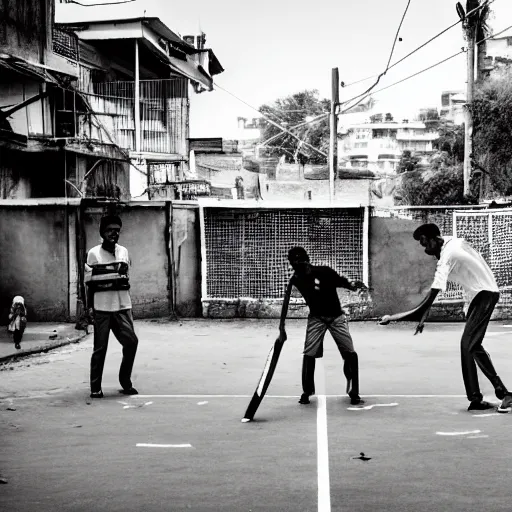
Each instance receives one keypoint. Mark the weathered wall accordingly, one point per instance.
(143, 234)
(400, 271)
(40, 256)
(34, 261)
(355, 191)
(23, 27)
(186, 246)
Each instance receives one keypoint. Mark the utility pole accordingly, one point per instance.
(333, 146)
(469, 25)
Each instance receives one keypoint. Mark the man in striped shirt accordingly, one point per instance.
(109, 302)
(459, 262)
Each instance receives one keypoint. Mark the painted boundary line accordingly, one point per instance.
(324, 486)
(293, 396)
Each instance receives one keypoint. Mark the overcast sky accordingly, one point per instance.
(274, 48)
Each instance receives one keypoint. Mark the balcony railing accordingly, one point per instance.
(163, 110)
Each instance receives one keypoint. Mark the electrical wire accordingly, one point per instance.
(272, 122)
(417, 49)
(365, 93)
(437, 63)
(102, 3)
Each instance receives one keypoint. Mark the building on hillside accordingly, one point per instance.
(498, 54)
(229, 174)
(39, 155)
(452, 106)
(135, 75)
(249, 135)
(378, 145)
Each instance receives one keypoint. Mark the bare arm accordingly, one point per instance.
(430, 300)
(343, 282)
(284, 310)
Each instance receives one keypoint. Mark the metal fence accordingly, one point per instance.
(245, 249)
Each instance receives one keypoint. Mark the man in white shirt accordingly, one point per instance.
(108, 300)
(459, 262)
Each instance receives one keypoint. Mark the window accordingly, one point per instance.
(509, 41)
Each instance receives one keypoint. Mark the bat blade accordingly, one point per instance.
(411, 315)
(265, 379)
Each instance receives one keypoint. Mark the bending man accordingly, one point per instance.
(459, 262)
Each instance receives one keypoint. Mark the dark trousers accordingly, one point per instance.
(471, 349)
(17, 335)
(121, 324)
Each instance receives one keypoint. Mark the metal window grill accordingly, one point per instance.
(163, 113)
(65, 44)
(490, 233)
(246, 249)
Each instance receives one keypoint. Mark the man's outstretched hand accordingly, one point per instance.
(359, 287)
(384, 320)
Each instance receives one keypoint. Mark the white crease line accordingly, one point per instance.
(324, 488)
(368, 407)
(465, 433)
(477, 437)
(295, 396)
(149, 445)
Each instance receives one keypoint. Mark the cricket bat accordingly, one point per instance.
(407, 316)
(265, 379)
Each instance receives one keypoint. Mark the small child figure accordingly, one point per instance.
(18, 319)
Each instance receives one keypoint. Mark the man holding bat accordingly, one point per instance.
(317, 284)
(459, 262)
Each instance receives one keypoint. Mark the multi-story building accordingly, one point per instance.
(135, 75)
(498, 54)
(38, 154)
(378, 146)
(452, 106)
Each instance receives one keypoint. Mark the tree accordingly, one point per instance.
(492, 135)
(451, 140)
(444, 187)
(408, 162)
(290, 112)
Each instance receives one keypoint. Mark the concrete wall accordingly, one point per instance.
(23, 27)
(144, 235)
(186, 260)
(34, 261)
(41, 256)
(400, 272)
(355, 191)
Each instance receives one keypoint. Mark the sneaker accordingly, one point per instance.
(97, 394)
(304, 399)
(130, 391)
(357, 400)
(506, 404)
(480, 405)
(17, 346)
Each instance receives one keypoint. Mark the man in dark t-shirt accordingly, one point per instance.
(318, 284)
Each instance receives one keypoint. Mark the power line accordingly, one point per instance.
(389, 60)
(436, 64)
(101, 3)
(271, 121)
(396, 35)
(416, 50)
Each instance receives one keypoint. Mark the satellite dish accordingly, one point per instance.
(460, 11)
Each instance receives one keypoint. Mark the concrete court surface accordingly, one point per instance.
(179, 445)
